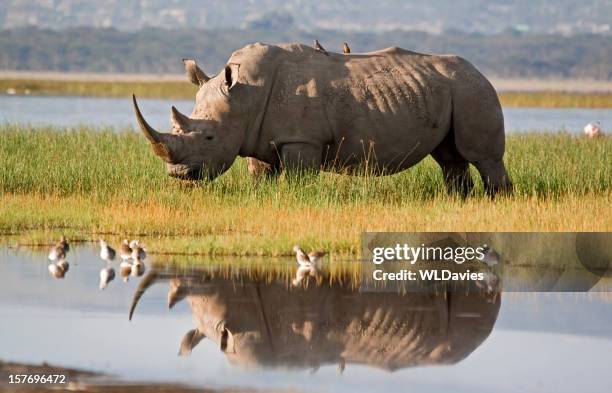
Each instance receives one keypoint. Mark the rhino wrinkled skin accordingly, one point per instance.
(291, 107)
(263, 323)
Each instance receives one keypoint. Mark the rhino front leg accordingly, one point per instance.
(301, 157)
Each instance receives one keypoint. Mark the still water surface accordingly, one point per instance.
(276, 335)
(117, 112)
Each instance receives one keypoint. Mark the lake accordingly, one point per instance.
(73, 111)
(322, 335)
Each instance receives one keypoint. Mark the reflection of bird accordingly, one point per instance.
(107, 253)
(302, 273)
(319, 47)
(189, 341)
(593, 130)
(125, 269)
(489, 283)
(63, 264)
(107, 275)
(490, 256)
(345, 49)
(56, 270)
(138, 268)
(59, 250)
(125, 251)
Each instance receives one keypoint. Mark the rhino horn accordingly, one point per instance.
(180, 122)
(161, 143)
(146, 282)
(195, 73)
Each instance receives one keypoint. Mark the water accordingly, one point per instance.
(285, 337)
(117, 112)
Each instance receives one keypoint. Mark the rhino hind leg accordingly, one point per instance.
(259, 169)
(455, 168)
(494, 177)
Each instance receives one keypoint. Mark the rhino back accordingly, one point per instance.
(397, 99)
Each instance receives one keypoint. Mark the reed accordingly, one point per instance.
(85, 182)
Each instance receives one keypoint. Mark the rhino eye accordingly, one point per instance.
(209, 137)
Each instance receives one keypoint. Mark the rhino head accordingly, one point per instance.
(205, 144)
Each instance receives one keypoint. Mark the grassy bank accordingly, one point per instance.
(97, 88)
(85, 182)
(184, 90)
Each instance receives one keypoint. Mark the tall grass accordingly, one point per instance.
(102, 180)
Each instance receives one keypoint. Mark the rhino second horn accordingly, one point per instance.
(159, 141)
(180, 122)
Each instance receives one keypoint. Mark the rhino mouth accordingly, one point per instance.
(186, 172)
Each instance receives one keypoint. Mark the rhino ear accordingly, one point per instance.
(195, 73)
(231, 75)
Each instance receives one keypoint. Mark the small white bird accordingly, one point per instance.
(125, 251)
(139, 252)
(107, 253)
(59, 250)
(593, 130)
(107, 275)
(491, 257)
(310, 259)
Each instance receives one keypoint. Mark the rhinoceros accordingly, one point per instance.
(293, 107)
(263, 322)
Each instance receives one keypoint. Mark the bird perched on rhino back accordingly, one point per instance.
(345, 49)
(319, 47)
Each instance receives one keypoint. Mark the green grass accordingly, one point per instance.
(86, 182)
(184, 90)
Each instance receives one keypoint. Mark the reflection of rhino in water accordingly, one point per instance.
(271, 324)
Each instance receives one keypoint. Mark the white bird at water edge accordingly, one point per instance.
(593, 130)
(107, 253)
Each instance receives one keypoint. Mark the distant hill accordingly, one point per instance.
(434, 16)
(153, 50)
